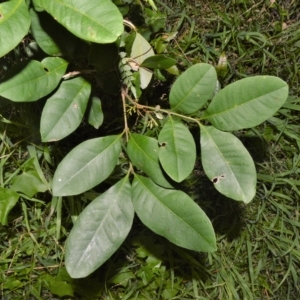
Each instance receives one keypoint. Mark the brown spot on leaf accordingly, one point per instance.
(218, 178)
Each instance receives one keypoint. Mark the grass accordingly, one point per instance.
(258, 253)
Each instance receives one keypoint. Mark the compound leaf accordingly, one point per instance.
(228, 164)
(247, 103)
(177, 152)
(193, 88)
(33, 80)
(100, 230)
(14, 24)
(172, 214)
(86, 165)
(64, 111)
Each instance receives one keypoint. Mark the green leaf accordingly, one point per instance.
(61, 288)
(29, 182)
(8, 200)
(95, 116)
(93, 20)
(158, 62)
(172, 214)
(141, 50)
(228, 164)
(247, 103)
(86, 165)
(193, 88)
(100, 230)
(52, 38)
(143, 153)
(37, 4)
(177, 152)
(33, 80)
(64, 111)
(14, 24)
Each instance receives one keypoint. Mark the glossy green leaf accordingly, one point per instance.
(14, 24)
(193, 88)
(100, 230)
(95, 115)
(64, 110)
(177, 152)
(247, 103)
(141, 50)
(8, 200)
(143, 153)
(52, 38)
(96, 21)
(228, 164)
(172, 214)
(86, 165)
(158, 62)
(33, 80)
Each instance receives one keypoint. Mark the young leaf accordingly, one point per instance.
(95, 116)
(143, 153)
(86, 165)
(141, 50)
(193, 88)
(172, 214)
(52, 38)
(100, 230)
(228, 164)
(247, 103)
(93, 20)
(8, 200)
(33, 80)
(158, 62)
(64, 111)
(14, 24)
(177, 152)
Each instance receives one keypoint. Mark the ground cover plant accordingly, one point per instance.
(130, 280)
